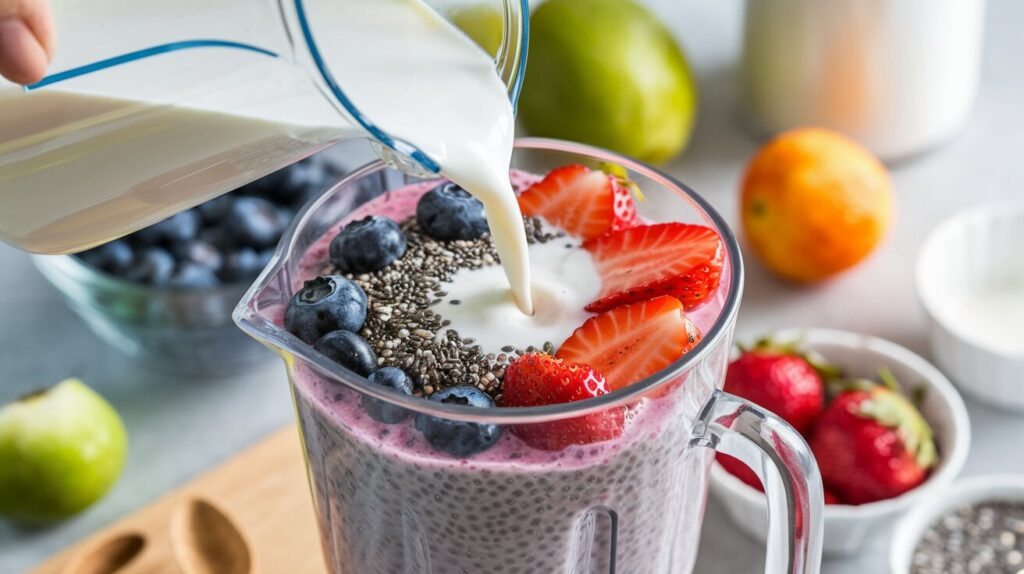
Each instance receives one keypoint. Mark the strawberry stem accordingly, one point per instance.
(888, 379)
(826, 370)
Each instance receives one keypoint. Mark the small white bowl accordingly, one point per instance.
(911, 528)
(971, 255)
(849, 528)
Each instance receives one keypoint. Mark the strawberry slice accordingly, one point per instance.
(585, 203)
(633, 341)
(636, 264)
(536, 379)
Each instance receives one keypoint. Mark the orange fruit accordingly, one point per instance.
(815, 203)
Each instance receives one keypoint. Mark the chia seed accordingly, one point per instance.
(984, 537)
(406, 333)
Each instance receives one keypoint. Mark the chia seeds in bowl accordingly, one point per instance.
(974, 525)
(982, 537)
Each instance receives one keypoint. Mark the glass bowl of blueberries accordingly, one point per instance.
(164, 294)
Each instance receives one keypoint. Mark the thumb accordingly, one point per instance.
(26, 39)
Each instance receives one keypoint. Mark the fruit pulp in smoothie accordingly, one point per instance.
(80, 168)
(389, 501)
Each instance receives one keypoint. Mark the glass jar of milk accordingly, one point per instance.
(900, 76)
(153, 107)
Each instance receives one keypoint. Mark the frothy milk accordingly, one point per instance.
(132, 162)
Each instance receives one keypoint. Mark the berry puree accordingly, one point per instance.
(389, 501)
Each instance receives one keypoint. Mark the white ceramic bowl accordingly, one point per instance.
(849, 528)
(909, 530)
(972, 254)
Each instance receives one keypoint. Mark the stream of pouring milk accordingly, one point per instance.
(407, 68)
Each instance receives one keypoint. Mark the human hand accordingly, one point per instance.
(27, 39)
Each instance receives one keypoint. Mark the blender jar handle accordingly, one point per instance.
(782, 460)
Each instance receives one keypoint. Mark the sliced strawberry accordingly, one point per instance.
(636, 264)
(536, 380)
(634, 341)
(625, 210)
(584, 202)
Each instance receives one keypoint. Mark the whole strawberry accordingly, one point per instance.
(778, 378)
(740, 470)
(872, 444)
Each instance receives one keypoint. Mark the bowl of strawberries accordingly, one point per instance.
(885, 426)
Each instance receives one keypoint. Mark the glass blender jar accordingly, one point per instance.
(387, 502)
(153, 107)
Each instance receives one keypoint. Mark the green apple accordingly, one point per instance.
(481, 23)
(60, 450)
(607, 73)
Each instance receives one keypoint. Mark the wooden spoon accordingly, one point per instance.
(109, 557)
(205, 541)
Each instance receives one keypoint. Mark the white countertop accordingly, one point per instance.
(179, 428)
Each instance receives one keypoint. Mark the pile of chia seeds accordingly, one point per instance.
(986, 537)
(406, 333)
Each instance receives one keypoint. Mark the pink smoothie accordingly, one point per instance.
(387, 502)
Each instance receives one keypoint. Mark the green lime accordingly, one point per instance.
(60, 451)
(607, 73)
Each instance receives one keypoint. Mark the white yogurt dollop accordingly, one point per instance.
(564, 281)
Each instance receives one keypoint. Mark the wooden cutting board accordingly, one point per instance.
(264, 492)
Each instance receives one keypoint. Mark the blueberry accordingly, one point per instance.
(241, 266)
(396, 380)
(254, 222)
(296, 182)
(193, 276)
(325, 304)
(177, 228)
(154, 266)
(367, 245)
(315, 173)
(459, 438)
(449, 212)
(349, 350)
(145, 237)
(114, 257)
(263, 257)
(216, 236)
(271, 186)
(213, 210)
(199, 252)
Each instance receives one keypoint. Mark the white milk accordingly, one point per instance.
(132, 162)
(448, 101)
(565, 280)
(993, 317)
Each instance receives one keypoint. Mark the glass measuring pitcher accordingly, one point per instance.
(386, 501)
(153, 107)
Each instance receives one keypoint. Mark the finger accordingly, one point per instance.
(22, 57)
(27, 39)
